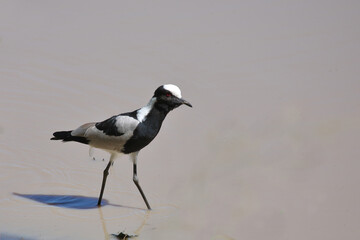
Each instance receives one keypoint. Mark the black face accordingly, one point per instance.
(166, 98)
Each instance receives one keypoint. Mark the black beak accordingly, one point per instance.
(183, 101)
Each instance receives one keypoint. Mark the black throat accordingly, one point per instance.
(163, 107)
(147, 130)
(156, 116)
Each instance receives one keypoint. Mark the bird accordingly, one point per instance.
(127, 133)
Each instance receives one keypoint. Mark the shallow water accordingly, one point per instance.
(270, 149)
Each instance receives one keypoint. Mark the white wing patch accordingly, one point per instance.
(126, 124)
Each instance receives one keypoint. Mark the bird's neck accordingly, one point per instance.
(153, 112)
(155, 117)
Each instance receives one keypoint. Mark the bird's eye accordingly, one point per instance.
(168, 94)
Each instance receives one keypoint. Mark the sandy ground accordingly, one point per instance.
(269, 151)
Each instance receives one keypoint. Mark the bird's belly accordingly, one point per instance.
(108, 145)
(98, 139)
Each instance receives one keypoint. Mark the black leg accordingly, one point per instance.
(106, 173)
(136, 181)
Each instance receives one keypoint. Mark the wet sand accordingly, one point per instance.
(269, 151)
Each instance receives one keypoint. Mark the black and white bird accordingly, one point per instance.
(127, 133)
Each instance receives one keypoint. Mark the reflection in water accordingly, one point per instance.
(65, 201)
(106, 234)
(145, 219)
(136, 232)
(81, 202)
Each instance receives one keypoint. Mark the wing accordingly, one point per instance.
(109, 127)
(110, 134)
(118, 125)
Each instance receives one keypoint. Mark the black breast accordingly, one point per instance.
(145, 132)
(142, 136)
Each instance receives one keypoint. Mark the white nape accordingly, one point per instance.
(144, 111)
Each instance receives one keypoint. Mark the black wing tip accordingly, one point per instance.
(61, 135)
(66, 136)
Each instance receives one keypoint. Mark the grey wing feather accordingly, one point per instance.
(81, 131)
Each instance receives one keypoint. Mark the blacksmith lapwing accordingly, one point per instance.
(127, 133)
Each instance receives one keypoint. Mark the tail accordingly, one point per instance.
(66, 136)
(62, 135)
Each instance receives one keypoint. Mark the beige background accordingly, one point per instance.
(269, 151)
